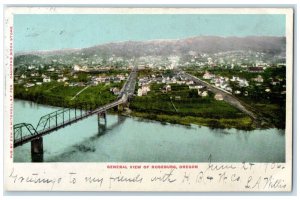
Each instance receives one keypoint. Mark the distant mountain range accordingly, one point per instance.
(180, 47)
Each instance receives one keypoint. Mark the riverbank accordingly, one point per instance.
(158, 106)
(184, 106)
(132, 139)
(244, 123)
(57, 94)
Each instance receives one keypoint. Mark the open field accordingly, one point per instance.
(190, 109)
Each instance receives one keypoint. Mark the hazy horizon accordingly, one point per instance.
(59, 32)
(152, 40)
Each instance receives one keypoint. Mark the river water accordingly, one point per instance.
(129, 139)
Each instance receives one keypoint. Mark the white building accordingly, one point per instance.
(77, 68)
(229, 89)
(204, 94)
(166, 88)
(46, 80)
(208, 75)
(180, 82)
(243, 83)
(146, 88)
(190, 82)
(143, 90)
(259, 79)
(28, 85)
(194, 86)
(62, 79)
(140, 92)
(51, 69)
(219, 97)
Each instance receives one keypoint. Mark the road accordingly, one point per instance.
(129, 86)
(86, 87)
(228, 97)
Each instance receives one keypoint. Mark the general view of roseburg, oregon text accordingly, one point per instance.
(149, 88)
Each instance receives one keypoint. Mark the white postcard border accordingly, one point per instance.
(74, 176)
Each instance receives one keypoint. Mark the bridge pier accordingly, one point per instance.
(121, 107)
(37, 150)
(116, 108)
(50, 122)
(102, 122)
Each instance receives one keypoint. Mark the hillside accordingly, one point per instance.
(271, 46)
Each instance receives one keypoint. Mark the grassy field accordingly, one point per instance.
(57, 94)
(180, 106)
(270, 105)
(244, 123)
(189, 109)
(273, 111)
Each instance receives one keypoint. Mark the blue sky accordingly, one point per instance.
(50, 32)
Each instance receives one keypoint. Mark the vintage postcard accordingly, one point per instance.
(148, 99)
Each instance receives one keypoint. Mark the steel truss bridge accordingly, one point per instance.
(25, 132)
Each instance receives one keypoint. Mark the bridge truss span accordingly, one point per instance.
(25, 132)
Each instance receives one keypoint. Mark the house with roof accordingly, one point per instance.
(258, 79)
(208, 75)
(166, 88)
(219, 97)
(28, 85)
(195, 86)
(46, 80)
(202, 93)
(115, 90)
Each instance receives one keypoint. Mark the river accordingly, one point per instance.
(130, 139)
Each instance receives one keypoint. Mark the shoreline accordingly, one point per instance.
(243, 123)
(198, 121)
